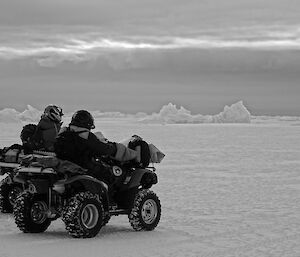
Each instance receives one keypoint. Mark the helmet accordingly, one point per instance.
(53, 112)
(83, 119)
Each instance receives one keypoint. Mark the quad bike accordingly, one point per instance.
(11, 158)
(85, 203)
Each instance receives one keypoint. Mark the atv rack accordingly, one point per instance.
(35, 170)
(9, 165)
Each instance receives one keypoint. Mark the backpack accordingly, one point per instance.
(28, 132)
(32, 138)
(144, 151)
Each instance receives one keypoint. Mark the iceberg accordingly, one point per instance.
(30, 114)
(236, 113)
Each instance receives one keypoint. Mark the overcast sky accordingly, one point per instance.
(167, 12)
(137, 55)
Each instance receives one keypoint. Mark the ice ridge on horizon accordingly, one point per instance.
(235, 113)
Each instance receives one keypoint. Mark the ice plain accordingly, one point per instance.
(225, 190)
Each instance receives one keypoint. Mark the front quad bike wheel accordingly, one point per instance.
(30, 212)
(83, 215)
(146, 211)
(106, 219)
(8, 195)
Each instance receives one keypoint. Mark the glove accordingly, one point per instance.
(124, 153)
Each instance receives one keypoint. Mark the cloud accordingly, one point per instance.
(126, 52)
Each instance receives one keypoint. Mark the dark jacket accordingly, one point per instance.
(49, 131)
(43, 137)
(81, 146)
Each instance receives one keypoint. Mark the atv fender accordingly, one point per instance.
(88, 183)
(136, 177)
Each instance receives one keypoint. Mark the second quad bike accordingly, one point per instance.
(9, 160)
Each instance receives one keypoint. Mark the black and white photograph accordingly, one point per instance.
(138, 128)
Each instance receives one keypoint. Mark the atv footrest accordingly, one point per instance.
(118, 212)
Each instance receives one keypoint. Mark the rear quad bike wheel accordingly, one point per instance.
(8, 195)
(83, 215)
(30, 212)
(146, 211)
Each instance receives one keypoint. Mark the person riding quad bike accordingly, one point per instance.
(79, 145)
(35, 138)
(43, 135)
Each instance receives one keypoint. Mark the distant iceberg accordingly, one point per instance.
(30, 114)
(236, 113)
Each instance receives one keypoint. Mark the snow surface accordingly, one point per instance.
(226, 190)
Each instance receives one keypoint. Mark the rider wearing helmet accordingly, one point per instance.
(78, 144)
(54, 113)
(47, 130)
(83, 119)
